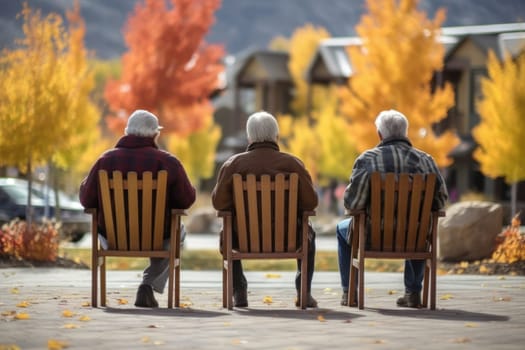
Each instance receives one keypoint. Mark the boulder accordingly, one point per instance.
(469, 230)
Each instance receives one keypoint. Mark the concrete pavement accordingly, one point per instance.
(473, 312)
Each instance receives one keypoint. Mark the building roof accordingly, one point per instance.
(332, 62)
(264, 66)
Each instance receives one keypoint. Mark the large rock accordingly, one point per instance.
(468, 231)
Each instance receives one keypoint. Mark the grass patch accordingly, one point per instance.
(211, 260)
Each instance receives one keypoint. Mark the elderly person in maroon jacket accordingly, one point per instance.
(263, 157)
(138, 151)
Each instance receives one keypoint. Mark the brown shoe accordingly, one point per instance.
(410, 300)
(240, 298)
(310, 303)
(145, 297)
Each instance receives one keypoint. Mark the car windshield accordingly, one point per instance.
(19, 194)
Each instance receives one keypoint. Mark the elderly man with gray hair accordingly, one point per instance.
(264, 157)
(394, 154)
(138, 151)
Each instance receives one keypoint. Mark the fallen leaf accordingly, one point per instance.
(9, 347)
(158, 342)
(23, 304)
(86, 304)
(501, 278)
(155, 326)
(471, 325)
(392, 291)
(185, 305)
(14, 290)
(145, 339)
(321, 318)
(463, 264)
(122, 301)
(68, 313)
(327, 289)
(379, 341)
(9, 313)
(462, 340)
(70, 326)
(272, 275)
(22, 316)
(446, 297)
(53, 344)
(84, 318)
(502, 298)
(267, 299)
(483, 269)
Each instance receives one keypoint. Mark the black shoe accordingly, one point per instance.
(240, 298)
(310, 303)
(410, 300)
(145, 297)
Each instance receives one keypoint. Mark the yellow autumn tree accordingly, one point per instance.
(315, 132)
(197, 150)
(393, 68)
(501, 131)
(45, 110)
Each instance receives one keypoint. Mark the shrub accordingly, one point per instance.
(511, 244)
(38, 243)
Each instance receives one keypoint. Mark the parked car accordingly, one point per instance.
(13, 203)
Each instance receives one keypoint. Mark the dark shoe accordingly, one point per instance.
(145, 297)
(240, 298)
(310, 303)
(410, 300)
(344, 299)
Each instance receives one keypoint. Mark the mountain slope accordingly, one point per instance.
(244, 24)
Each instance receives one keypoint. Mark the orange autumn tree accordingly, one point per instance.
(393, 68)
(168, 69)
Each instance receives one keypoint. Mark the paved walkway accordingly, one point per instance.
(473, 312)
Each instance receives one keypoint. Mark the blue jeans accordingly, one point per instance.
(414, 269)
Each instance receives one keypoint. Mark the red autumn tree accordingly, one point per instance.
(168, 69)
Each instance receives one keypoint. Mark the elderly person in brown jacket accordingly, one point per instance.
(263, 157)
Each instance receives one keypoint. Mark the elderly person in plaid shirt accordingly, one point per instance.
(393, 154)
(138, 151)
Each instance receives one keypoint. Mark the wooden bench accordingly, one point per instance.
(401, 225)
(135, 213)
(265, 217)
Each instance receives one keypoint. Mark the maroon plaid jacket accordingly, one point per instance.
(140, 154)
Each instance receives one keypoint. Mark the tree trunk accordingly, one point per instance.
(29, 207)
(513, 198)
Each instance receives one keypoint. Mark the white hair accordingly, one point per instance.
(142, 123)
(392, 123)
(262, 126)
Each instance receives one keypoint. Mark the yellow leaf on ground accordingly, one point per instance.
(145, 339)
(446, 297)
(86, 304)
(502, 298)
(471, 325)
(267, 299)
(185, 305)
(22, 316)
(84, 318)
(53, 344)
(14, 290)
(321, 318)
(392, 291)
(272, 275)
(122, 301)
(462, 340)
(8, 313)
(67, 313)
(70, 326)
(9, 347)
(483, 269)
(23, 304)
(463, 264)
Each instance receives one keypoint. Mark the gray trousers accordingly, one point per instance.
(157, 273)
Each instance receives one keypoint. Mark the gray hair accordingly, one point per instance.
(142, 123)
(392, 123)
(262, 126)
